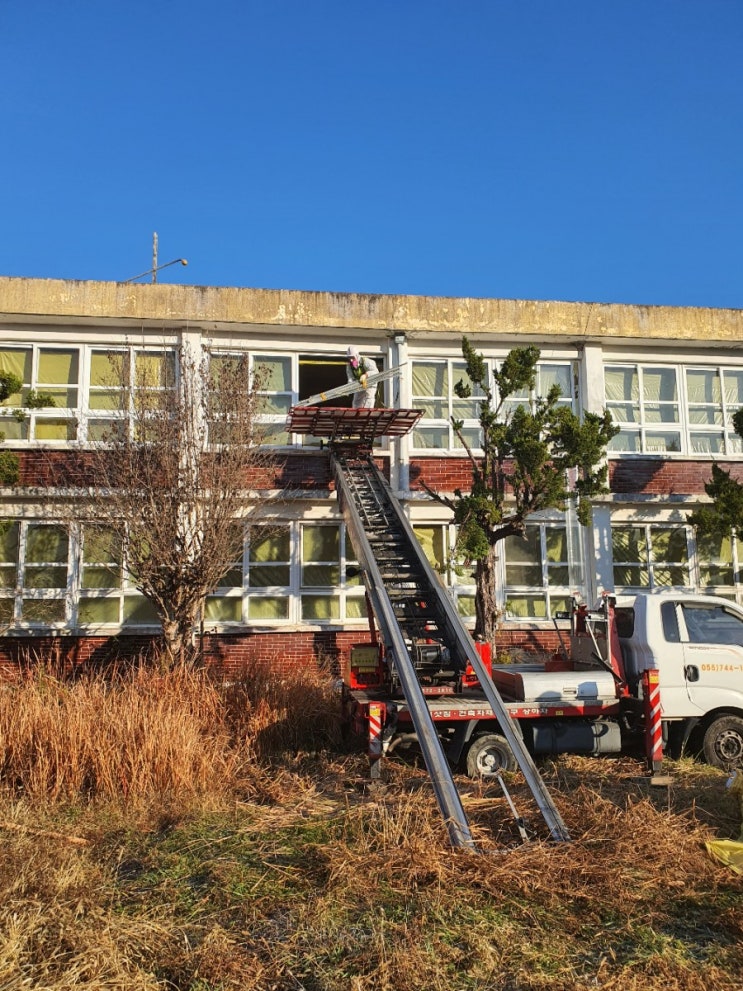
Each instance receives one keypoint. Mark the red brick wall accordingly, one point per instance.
(655, 476)
(229, 653)
(441, 474)
(300, 470)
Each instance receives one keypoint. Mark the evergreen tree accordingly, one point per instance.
(725, 515)
(533, 457)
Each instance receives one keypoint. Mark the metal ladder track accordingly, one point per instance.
(407, 599)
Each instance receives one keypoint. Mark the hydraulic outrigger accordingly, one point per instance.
(422, 632)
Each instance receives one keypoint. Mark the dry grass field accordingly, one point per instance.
(159, 832)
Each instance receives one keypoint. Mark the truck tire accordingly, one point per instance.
(722, 744)
(488, 755)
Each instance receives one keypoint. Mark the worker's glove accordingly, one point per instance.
(363, 380)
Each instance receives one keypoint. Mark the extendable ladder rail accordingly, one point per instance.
(410, 601)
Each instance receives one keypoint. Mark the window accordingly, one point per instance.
(433, 392)
(549, 374)
(268, 574)
(46, 409)
(649, 556)
(714, 395)
(716, 557)
(275, 376)
(225, 603)
(107, 595)
(437, 541)
(659, 410)
(542, 570)
(327, 591)
(644, 402)
(711, 624)
(42, 574)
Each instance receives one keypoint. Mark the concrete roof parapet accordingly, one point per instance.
(223, 305)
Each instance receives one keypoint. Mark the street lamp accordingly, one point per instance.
(155, 267)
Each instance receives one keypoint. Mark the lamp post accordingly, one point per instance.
(155, 267)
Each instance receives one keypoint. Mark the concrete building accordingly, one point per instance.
(672, 378)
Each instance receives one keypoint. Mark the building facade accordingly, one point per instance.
(671, 377)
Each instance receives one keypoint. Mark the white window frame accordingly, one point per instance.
(646, 428)
(456, 371)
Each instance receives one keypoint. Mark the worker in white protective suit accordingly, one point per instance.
(358, 369)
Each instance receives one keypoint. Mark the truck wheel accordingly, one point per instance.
(723, 742)
(488, 755)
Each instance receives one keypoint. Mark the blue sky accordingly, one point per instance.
(536, 149)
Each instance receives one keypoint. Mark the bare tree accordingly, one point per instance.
(172, 477)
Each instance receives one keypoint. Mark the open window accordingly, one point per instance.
(319, 373)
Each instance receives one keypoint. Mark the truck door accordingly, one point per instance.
(712, 638)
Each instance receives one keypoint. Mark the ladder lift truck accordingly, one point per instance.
(664, 667)
(418, 638)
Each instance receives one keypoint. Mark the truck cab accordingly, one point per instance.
(696, 644)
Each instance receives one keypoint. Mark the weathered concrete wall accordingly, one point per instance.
(213, 306)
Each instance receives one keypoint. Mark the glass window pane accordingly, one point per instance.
(355, 607)
(669, 443)
(659, 384)
(100, 577)
(669, 544)
(524, 574)
(57, 429)
(8, 541)
(13, 429)
(58, 366)
(656, 413)
(431, 438)
(629, 544)
(154, 369)
(268, 608)
(233, 578)
(275, 372)
(466, 606)
(139, 611)
(703, 386)
(223, 609)
(107, 369)
(268, 576)
(320, 543)
(270, 546)
(320, 607)
(45, 577)
(17, 361)
(431, 539)
(430, 378)
(631, 577)
(560, 375)
(45, 543)
(622, 384)
(526, 607)
(556, 539)
(627, 441)
(100, 610)
(524, 549)
(43, 610)
(733, 383)
(320, 574)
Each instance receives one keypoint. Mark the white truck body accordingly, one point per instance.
(589, 699)
(695, 642)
